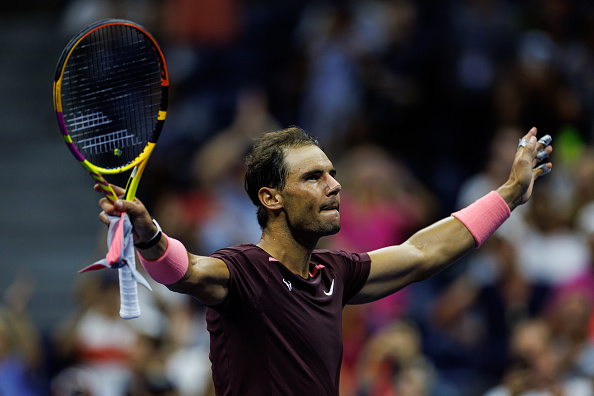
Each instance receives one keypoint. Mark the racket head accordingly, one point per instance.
(110, 96)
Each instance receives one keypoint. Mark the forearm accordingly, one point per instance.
(433, 248)
(450, 239)
(170, 264)
(440, 245)
(423, 255)
(467, 229)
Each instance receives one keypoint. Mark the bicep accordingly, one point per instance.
(423, 255)
(391, 269)
(207, 280)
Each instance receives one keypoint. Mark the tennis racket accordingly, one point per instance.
(110, 98)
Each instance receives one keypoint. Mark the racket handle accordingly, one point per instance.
(129, 306)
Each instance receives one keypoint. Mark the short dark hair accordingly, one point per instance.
(265, 165)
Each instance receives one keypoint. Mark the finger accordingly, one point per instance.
(106, 204)
(531, 132)
(545, 141)
(103, 217)
(524, 140)
(119, 191)
(543, 169)
(542, 147)
(530, 147)
(109, 207)
(542, 154)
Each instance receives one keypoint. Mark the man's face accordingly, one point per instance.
(311, 194)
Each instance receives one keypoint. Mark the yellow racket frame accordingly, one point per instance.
(139, 163)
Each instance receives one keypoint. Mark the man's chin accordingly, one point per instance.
(332, 230)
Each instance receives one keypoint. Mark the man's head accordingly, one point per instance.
(266, 165)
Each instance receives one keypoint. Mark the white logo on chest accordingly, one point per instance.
(289, 285)
(329, 293)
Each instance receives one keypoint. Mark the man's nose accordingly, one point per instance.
(333, 185)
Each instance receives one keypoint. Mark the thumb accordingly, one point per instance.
(130, 207)
(120, 205)
(135, 209)
(137, 213)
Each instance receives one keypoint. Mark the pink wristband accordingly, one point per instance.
(170, 267)
(484, 216)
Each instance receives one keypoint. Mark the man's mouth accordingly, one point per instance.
(331, 206)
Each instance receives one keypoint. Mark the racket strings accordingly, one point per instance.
(111, 95)
(104, 143)
(110, 143)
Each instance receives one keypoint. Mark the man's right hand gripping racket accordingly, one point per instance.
(110, 99)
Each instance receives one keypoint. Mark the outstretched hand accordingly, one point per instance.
(142, 225)
(526, 168)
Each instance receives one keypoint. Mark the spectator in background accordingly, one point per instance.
(393, 363)
(186, 362)
(534, 89)
(551, 251)
(580, 287)
(478, 42)
(535, 369)
(148, 375)
(95, 344)
(570, 317)
(80, 13)
(584, 226)
(472, 319)
(332, 91)
(577, 173)
(206, 23)
(20, 347)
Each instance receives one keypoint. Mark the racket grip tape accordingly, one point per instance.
(129, 305)
(105, 187)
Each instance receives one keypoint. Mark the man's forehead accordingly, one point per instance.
(305, 158)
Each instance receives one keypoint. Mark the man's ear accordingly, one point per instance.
(270, 198)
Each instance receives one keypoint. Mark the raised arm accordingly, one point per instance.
(436, 247)
(167, 261)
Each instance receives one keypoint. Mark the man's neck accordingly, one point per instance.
(293, 253)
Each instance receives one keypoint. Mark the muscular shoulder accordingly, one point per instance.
(240, 255)
(249, 272)
(247, 249)
(339, 257)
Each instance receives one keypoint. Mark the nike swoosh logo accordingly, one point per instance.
(289, 285)
(329, 293)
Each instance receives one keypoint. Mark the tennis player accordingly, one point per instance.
(274, 308)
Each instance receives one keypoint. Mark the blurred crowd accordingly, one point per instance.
(420, 105)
